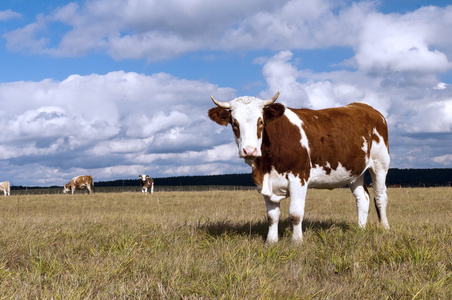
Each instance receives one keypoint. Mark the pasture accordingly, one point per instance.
(210, 245)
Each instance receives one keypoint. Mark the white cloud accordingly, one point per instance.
(8, 14)
(98, 122)
(443, 159)
(282, 76)
(390, 43)
(154, 30)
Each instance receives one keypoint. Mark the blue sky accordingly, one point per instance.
(118, 88)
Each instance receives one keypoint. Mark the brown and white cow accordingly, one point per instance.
(146, 184)
(290, 150)
(5, 187)
(78, 183)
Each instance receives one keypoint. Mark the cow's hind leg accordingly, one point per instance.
(380, 195)
(362, 197)
(273, 213)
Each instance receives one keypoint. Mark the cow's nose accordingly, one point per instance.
(249, 151)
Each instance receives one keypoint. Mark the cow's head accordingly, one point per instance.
(144, 177)
(66, 188)
(248, 117)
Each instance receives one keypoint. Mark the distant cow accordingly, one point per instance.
(78, 183)
(4, 186)
(146, 184)
(290, 150)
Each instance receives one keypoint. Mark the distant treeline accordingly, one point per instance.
(396, 177)
(403, 177)
(218, 180)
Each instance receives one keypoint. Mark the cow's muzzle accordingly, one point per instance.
(249, 152)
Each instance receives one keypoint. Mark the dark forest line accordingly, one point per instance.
(396, 177)
(403, 177)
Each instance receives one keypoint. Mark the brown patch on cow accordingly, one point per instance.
(146, 183)
(282, 150)
(235, 128)
(223, 117)
(295, 220)
(336, 135)
(273, 112)
(260, 127)
(220, 115)
(270, 221)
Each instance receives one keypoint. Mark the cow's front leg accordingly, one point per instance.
(296, 209)
(273, 212)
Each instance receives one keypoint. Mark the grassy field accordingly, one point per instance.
(210, 245)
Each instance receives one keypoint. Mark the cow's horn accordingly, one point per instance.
(221, 104)
(272, 100)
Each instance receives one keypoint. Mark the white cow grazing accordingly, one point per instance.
(5, 187)
(146, 184)
(290, 150)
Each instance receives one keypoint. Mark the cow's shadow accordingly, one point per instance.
(260, 228)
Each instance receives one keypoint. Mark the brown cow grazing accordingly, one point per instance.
(290, 150)
(5, 187)
(146, 184)
(78, 183)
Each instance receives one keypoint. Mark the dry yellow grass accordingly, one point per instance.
(210, 245)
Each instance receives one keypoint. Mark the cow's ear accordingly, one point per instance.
(220, 115)
(273, 112)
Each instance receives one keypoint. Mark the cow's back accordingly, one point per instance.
(343, 136)
(83, 180)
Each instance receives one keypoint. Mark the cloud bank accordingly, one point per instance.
(121, 124)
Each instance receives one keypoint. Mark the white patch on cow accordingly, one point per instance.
(319, 178)
(365, 147)
(379, 152)
(6, 188)
(275, 186)
(294, 119)
(247, 111)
